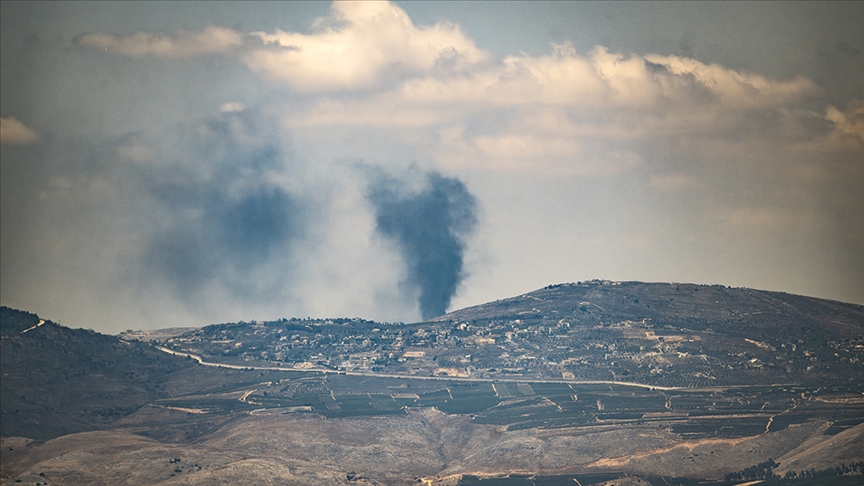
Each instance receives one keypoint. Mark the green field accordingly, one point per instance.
(727, 413)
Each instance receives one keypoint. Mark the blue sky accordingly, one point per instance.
(170, 164)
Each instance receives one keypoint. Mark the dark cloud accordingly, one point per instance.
(431, 226)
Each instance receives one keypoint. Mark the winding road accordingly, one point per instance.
(525, 379)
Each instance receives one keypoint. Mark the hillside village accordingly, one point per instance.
(585, 343)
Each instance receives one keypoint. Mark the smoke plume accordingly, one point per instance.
(227, 217)
(430, 226)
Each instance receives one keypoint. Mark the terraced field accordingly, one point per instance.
(690, 413)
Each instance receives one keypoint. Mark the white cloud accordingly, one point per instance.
(13, 132)
(849, 122)
(606, 79)
(568, 113)
(182, 43)
(366, 41)
(356, 47)
(561, 77)
(736, 89)
(375, 46)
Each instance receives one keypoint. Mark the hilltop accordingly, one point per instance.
(667, 335)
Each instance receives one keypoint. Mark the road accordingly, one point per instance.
(452, 378)
(34, 327)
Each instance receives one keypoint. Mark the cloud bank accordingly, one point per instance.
(357, 46)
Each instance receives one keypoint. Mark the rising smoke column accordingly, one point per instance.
(431, 226)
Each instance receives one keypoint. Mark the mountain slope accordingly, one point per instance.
(666, 335)
(58, 380)
(733, 310)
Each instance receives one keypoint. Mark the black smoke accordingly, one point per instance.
(431, 226)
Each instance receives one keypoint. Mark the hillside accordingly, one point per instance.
(667, 335)
(736, 311)
(590, 382)
(58, 380)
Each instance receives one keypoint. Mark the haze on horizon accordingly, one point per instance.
(178, 164)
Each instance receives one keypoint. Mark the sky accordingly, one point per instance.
(171, 164)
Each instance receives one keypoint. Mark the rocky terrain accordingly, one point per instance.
(678, 335)
(597, 382)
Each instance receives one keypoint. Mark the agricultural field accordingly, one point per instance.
(689, 413)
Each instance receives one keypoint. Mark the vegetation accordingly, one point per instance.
(657, 334)
(58, 380)
(577, 366)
